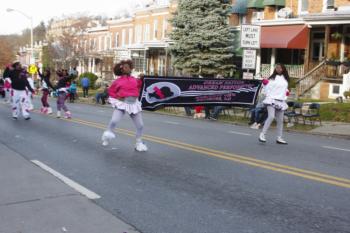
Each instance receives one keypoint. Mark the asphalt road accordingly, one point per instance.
(198, 176)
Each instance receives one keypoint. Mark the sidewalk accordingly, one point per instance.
(34, 201)
(333, 129)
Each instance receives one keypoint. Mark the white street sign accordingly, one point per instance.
(250, 36)
(249, 59)
(247, 75)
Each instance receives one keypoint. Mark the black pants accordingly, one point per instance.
(85, 92)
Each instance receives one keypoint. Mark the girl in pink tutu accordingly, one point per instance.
(123, 96)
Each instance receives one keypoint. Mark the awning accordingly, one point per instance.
(255, 4)
(274, 2)
(285, 37)
(239, 7)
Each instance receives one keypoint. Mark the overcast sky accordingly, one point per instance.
(43, 10)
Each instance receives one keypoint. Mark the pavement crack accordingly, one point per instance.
(39, 199)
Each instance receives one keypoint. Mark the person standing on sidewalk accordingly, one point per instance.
(62, 95)
(123, 95)
(45, 85)
(85, 83)
(20, 88)
(276, 91)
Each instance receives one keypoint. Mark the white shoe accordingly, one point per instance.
(254, 126)
(281, 141)
(262, 137)
(290, 125)
(141, 147)
(67, 115)
(106, 137)
(49, 110)
(59, 114)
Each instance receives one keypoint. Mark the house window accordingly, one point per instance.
(317, 47)
(123, 37)
(165, 28)
(328, 4)
(146, 32)
(336, 90)
(130, 36)
(155, 29)
(138, 33)
(117, 40)
(303, 6)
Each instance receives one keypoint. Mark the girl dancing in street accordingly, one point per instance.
(62, 95)
(124, 93)
(276, 91)
(20, 95)
(45, 85)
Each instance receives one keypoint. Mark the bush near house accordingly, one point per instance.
(91, 76)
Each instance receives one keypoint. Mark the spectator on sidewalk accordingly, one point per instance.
(72, 92)
(85, 83)
(103, 96)
(216, 111)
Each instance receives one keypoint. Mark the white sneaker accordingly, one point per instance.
(253, 126)
(59, 114)
(106, 137)
(290, 125)
(262, 137)
(141, 147)
(49, 110)
(67, 115)
(281, 141)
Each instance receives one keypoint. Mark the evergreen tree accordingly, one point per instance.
(204, 42)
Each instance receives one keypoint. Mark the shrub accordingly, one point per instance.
(91, 76)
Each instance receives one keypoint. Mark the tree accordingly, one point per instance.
(203, 39)
(7, 54)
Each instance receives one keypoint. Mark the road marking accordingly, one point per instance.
(172, 122)
(66, 180)
(306, 174)
(336, 148)
(239, 133)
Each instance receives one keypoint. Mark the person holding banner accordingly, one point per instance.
(276, 90)
(123, 96)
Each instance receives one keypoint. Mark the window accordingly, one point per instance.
(146, 32)
(123, 37)
(317, 47)
(138, 33)
(155, 29)
(165, 28)
(99, 43)
(336, 89)
(303, 6)
(328, 4)
(116, 40)
(130, 36)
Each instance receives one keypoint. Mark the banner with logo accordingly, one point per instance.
(175, 91)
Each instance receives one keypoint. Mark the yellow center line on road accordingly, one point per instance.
(310, 175)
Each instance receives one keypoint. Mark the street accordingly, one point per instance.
(198, 176)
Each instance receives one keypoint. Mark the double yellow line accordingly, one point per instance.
(310, 175)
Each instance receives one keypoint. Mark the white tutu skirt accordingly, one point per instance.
(133, 108)
(278, 104)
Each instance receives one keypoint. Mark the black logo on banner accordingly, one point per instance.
(174, 91)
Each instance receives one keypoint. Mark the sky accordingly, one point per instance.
(44, 10)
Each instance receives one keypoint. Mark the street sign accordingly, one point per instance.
(250, 36)
(32, 69)
(249, 59)
(247, 75)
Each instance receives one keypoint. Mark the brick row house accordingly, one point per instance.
(312, 37)
(142, 37)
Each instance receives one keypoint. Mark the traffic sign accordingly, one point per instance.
(250, 36)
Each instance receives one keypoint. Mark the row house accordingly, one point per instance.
(142, 38)
(312, 37)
